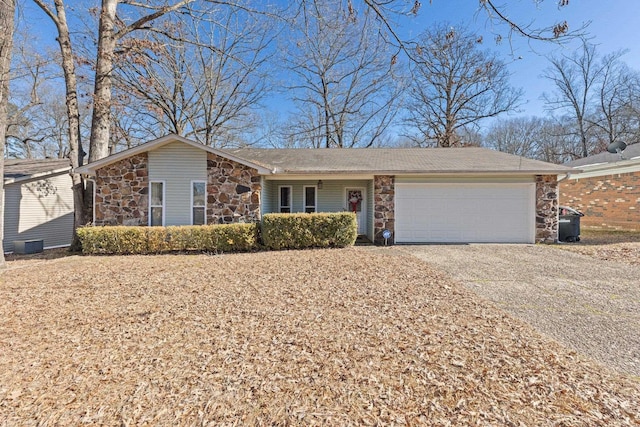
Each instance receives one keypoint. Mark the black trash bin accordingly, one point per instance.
(569, 224)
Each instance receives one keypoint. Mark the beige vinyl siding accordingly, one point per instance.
(39, 209)
(331, 198)
(177, 165)
(269, 188)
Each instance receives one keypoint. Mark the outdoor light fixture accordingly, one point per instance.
(320, 184)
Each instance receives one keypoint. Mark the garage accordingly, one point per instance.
(465, 212)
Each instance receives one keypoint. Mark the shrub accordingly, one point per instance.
(315, 230)
(146, 240)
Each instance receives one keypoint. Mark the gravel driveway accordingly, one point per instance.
(590, 305)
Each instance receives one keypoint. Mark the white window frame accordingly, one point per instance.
(199, 181)
(304, 198)
(280, 205)
(164, 200)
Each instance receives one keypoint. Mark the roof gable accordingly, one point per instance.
(160, 142)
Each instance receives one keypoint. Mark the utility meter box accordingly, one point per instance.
(28, 246)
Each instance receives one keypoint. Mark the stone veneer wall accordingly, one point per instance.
(546, 208)
(383, 207)
(233, 191)
(609, 201)
(122, 192)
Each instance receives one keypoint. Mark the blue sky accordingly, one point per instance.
(614, 25)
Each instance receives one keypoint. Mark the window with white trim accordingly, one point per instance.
(310, 199)
(198, 202)
(284, 197)
(156, 203)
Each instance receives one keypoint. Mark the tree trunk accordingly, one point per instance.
(76, 153)
(107, 40)
(7, 12)
(100, 122)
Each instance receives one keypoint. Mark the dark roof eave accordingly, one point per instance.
(15, 177)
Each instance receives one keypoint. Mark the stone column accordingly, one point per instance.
(546, 208)
(383, 207)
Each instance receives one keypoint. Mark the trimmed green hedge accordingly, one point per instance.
(315, 230)
(279, 231)
(154, 240)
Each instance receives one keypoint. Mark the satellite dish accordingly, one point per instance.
(616, 147)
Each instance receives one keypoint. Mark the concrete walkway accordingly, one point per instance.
(590, 305)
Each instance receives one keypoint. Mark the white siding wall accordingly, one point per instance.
(177, 165)
(39, 209)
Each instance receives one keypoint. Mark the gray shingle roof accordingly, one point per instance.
(394, 161)
(20, 169)
(630, 152)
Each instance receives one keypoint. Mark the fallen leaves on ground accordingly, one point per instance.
(619, 246)
(332, 337)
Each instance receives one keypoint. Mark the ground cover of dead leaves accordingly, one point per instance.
(619, 246)
(332, 337)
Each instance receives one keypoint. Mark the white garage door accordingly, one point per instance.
(465, 213)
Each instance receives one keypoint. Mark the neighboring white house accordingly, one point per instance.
(38, 202)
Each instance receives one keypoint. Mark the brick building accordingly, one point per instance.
(607, 190)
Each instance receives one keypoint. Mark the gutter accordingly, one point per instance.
(422, 172)
(609, 166)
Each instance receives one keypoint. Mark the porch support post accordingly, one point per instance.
(383, 208)
(546, 208)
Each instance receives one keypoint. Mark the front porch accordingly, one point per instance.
(322, 194)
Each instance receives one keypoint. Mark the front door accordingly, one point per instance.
(355, 202)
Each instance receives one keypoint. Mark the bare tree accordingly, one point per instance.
(557, 142)
(343, 83)
(111, 29)
(617, 92)
(498, 19)
(7, 12)
(596, 94)
(115, 29)
(520, 136)
(206, 82)
(539, 138)
(454, 85)
(632, 107)
(129, 122)
(37, 121)
(575, 77)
